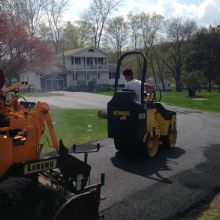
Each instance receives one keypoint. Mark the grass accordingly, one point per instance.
(108, 91)
(204, 101)
(38, 94)
(213, 213)
(77, 126)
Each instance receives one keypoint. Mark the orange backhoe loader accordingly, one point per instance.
(23, 168)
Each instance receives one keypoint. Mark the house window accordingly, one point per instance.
(89, 61)
(76, 76)
(77, 60)
(100, 61)
(111, 75)
(72, 60)
(98, 75)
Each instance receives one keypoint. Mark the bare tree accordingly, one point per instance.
(44, 32)
(96, 16)
(27, 11)
(159, 70)
(31, 12)
(134, 24)
(117, 30)
(71, 36)
(144, 29)
(8, 7)
(54, 10)
(179, 34)
(85, 33)
(149, 27)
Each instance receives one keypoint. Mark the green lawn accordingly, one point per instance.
(213, 212)
(108, 91)
(204, 101)
(76, 126)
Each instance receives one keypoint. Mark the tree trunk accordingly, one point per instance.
(191, 92)
(178, 85)
(162, 80)
(178, 81)
(210, 86)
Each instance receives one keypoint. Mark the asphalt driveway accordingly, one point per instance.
(165, 187)
(168, 186)
(74, 100)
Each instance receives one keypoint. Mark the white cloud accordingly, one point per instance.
(137, 6)
(75, 8)
(204, 12)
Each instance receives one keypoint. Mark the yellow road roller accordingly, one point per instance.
(139, 125)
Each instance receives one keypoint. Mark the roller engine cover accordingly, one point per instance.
(126, 117)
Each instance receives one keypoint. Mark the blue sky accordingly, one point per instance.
(204, 12)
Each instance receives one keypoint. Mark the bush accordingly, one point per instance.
(193, 81)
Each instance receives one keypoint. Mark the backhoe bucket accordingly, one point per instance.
(80, 207)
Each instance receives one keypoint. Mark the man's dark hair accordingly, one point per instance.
(127, 72)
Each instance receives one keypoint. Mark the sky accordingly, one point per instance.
(204, 12)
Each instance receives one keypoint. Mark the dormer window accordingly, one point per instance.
(91, 50)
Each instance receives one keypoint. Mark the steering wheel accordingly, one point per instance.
(157, 97)
(22, 97)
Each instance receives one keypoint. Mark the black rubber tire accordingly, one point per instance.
(21, 198)
(166, 141)
(123, 146)
(129, 147)
(152, 148)
(119, 145)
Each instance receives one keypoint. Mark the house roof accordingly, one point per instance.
(79, 50)
(56, 69)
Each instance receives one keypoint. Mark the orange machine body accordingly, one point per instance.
(21, 128)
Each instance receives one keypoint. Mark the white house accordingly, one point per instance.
(85, 65)
(75, 68)
(50, 79)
